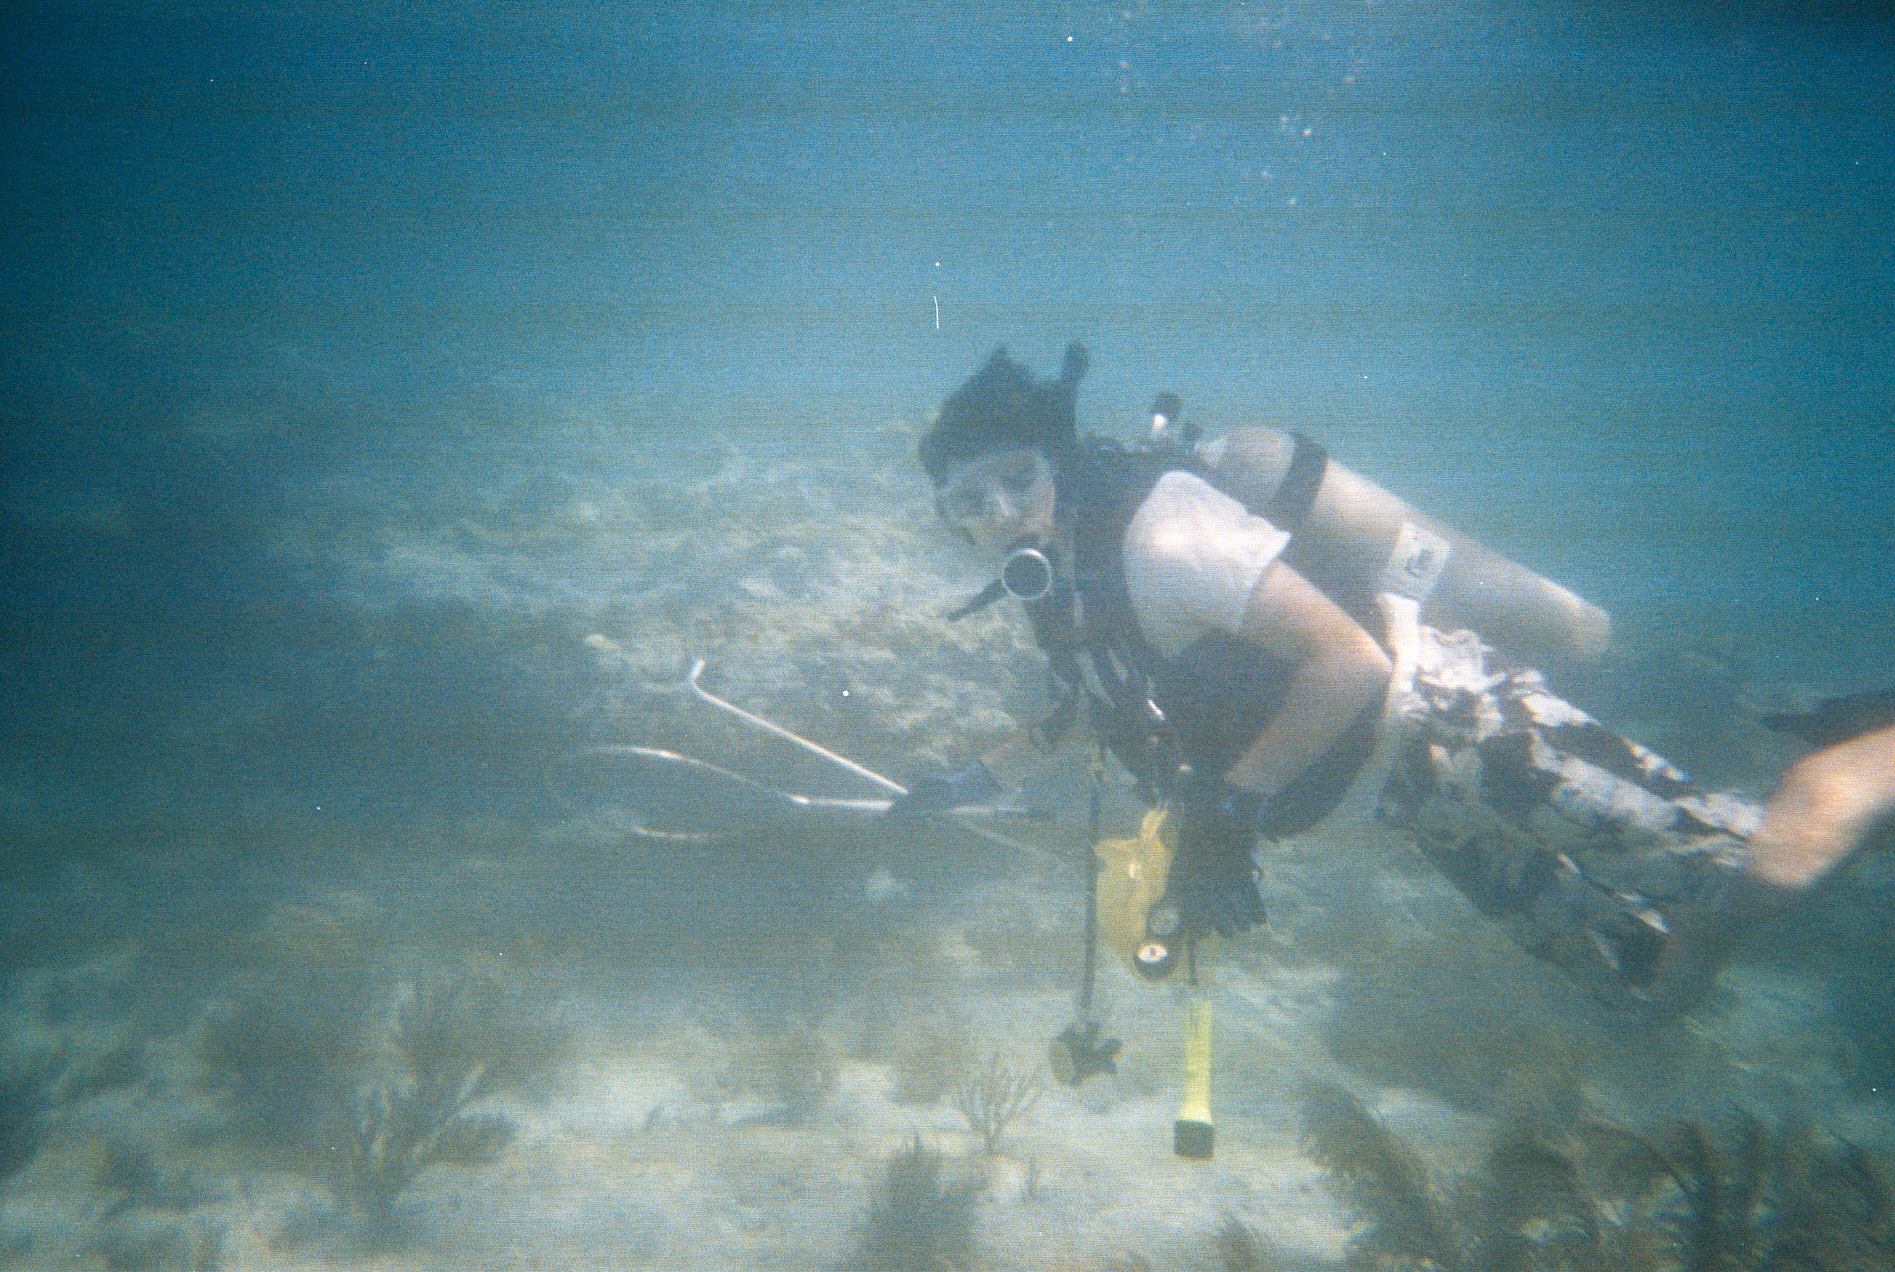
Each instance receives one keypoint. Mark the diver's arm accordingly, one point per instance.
(1339, 671)
(979, 779)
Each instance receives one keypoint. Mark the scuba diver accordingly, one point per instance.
(1252, 630)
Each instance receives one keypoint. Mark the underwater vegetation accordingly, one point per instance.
(451, 1041)
(1385, 1182)
(363, 1064)
(1237, 1249)
(1606, 1198)
(133, 1181)
(281, 1060)
(916, 1220)
(994, 1096)
(325, 995)
(805, 1073)
(144, 1218)
(162, 1246)
(283, 1043)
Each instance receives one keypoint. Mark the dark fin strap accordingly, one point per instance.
(1839, 719)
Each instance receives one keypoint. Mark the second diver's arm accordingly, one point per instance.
(1823, 809)
(1339, 671)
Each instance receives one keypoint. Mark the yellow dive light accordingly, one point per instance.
(1192, 1135)
(1133, 921)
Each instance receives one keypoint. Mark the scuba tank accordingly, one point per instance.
(1346, 531)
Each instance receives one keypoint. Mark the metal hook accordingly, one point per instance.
(690, 683)
(777, 730)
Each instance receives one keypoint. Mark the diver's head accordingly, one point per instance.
(996, 451)
(1000, 500)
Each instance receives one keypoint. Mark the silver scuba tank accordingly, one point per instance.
(1349, 534)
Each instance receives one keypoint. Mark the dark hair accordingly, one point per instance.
(1003, 404)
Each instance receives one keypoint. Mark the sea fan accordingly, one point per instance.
(1536, 1215)
(1387, 1183)
(915, 1221)
(995, 1096)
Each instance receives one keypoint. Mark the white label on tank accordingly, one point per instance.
(1416, 563)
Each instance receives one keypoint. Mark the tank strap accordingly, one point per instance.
(1296, 493)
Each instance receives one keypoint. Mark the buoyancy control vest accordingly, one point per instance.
(1349, 538)
(1159, 716)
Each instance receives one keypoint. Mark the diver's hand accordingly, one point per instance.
(1213, 877)
(933, 793)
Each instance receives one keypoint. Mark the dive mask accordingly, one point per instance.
(992, 488)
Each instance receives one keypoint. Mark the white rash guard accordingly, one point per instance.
(1192, 558)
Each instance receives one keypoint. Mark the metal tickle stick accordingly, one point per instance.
(777, 730)
(843, 762)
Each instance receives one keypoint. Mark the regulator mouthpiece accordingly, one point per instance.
(1027, 575)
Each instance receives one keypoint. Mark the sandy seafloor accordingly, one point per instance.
(749, 1029)
(397, 402)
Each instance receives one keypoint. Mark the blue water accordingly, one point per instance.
(1609, 290)
(1643, 258)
